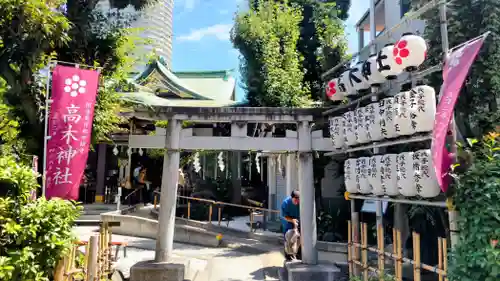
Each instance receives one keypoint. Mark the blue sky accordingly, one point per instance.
(201, 34)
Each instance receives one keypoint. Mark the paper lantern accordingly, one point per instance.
(346, 83)
(371, 73)
(424, 176)
(422, 108)
(372, 122)
(361, 174)
(334, 90)
(359, 127)
(410, 51)
(336, 133)
(389, 174)
(375, 175)
(404, 169)
(356, 78)
(386, 112)
(402, 122)
(348, 128)
(349, 175)
(387, 66)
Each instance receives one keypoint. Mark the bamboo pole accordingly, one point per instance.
(395, 252)
(349, 248)
(445, 258)
(416, 257)
(440, 258)
(381, 256)
(93, 258)
(400, 256)
(364, 241)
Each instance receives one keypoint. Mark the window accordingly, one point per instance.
(405, 7)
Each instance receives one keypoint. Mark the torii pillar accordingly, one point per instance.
(162, 268)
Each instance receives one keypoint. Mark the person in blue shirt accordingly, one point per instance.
(290, 214)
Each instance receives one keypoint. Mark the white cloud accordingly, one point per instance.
(219, 31)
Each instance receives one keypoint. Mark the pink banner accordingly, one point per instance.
(74, 93)
(455, 71)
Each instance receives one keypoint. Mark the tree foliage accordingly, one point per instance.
(477, 256)
(477, 108)
(35, 235)
(285, 46)
(34, 31)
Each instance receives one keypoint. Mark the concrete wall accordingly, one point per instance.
(148, 228)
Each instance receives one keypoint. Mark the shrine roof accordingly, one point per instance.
(200, 85)
(150, 99)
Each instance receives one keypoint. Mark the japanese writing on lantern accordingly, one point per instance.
(358, 122)
(369, 119)
(344, 129)
(372, 171)
(401, 166)
(347, 170)
(357, 172)
(416, 168)
(386, 171)
(335, 128)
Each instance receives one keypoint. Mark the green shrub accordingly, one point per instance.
(34, 235)
(477, 198)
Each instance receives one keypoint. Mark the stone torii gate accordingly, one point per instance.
(177, 139)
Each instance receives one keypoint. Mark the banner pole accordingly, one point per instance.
(452, 212)
(46, 125)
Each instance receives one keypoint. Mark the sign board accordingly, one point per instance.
(369, 206)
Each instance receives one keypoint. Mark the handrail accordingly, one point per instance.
(252, 209)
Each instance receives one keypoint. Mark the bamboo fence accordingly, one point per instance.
(357, 255)
(95, 263)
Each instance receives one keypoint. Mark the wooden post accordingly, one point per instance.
(109, 248)
(395, 252)
(364, 241)
(416, 257)
(93, 258)
(349, 248)
(400, 256)
(445, 258)
(440, 258)
(355, 234)
(189, 209)
(210, 213)
(219, 214)
(381, 250)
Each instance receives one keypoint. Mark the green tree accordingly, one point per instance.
(34, 31)
(477, 254)
(477, 107)
(267, 38)
(320, 45)
(35, 235)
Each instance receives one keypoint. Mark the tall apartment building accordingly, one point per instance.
(155, 25)
(388, 13)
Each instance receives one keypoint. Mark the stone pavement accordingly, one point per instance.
(208, 264)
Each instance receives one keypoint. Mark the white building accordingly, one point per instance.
(154, 25)
(388, 13)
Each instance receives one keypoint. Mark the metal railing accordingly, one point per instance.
(254, 211)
